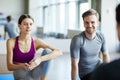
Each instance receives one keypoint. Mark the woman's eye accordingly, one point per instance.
(24, 24)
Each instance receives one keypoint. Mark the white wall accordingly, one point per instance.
(34, 10)
(108, 24)
(17, 7)
(12, 7)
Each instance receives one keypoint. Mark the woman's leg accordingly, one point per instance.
(45, 66)
(43, 69)
(22, 74)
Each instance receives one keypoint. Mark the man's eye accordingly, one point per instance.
(92, 22)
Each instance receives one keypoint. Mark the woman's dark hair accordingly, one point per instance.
(24, 16)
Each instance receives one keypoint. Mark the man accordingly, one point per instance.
(109, 71)
(10, 28)
(86, 46)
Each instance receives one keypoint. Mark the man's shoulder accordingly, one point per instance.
(100, 35)
(78, 39)
(79, 35)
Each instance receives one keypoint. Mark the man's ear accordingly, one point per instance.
(98, 23)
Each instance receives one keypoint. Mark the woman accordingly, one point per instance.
(21, 57)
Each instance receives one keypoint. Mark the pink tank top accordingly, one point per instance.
(21, 57)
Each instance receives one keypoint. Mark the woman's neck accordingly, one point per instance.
(24, 37)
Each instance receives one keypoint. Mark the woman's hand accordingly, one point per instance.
(34, 63)
(24, 65)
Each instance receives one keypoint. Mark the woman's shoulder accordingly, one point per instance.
(37, 39)
(11, 40)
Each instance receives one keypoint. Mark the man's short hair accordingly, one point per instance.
(9, 18)
(90, 12)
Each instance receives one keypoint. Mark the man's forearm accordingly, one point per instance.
(74, 76)
(74, 73)
(106, 58)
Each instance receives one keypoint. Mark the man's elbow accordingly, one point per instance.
(106, 58)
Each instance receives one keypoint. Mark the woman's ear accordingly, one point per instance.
(19, 26)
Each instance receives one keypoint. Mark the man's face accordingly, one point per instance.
(90, 23)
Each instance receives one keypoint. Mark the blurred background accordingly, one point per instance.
(57, 21)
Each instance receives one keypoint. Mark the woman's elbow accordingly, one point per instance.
(9, 68)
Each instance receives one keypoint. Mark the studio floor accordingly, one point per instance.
(60, 67)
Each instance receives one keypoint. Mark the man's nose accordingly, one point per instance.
(90, 24)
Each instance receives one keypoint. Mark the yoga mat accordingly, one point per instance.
(6, 77)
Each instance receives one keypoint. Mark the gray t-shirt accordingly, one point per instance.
(11, 28)
(87, 50)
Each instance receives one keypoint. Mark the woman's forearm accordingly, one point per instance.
(49, 56)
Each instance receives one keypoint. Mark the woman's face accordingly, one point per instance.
(26, 26)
